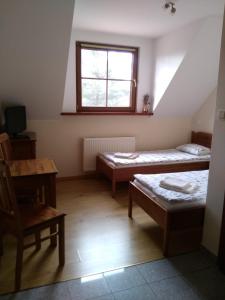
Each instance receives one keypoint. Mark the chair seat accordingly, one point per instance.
(34, 216)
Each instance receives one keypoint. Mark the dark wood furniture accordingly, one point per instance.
(182, 224)
(117, 174)
(24, 147)
(18, 148)
(32, 178)
(37, 174)
(5, 147)
(26, 220)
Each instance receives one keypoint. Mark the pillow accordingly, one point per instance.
(194, 149)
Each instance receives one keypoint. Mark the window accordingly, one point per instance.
(106, 77)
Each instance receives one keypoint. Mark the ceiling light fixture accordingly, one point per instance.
(170, 5)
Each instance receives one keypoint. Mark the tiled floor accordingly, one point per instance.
(191, 276)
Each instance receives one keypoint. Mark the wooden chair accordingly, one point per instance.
(26, 220)
(6, 152)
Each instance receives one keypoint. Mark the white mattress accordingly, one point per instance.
(151, 182)
(156, 157)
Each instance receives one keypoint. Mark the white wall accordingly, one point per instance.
(216, 187)
(34, 47)
(62, 139)
(203, 120)
(170, 51)
(150, 132)
(145, 75)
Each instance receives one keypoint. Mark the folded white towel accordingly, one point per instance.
(178, 185)
(126, 155)
(175, 182)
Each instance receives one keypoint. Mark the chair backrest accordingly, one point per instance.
(9, 214)
(5, 147)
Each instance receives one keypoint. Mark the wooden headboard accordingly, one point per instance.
(201, 138)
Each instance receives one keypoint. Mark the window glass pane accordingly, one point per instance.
(93, 63)
(120, 65)
(93, 92)
(119, 93)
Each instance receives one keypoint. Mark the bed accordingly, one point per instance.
(120, 173)
(181, 217)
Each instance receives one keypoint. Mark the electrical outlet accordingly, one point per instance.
(221, 114)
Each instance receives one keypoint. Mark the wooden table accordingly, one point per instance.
(36, 173)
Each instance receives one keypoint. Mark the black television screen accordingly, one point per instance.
(15, 119)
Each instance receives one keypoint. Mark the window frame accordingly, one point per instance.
(87, 45)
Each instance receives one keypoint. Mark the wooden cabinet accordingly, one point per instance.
(24, 146)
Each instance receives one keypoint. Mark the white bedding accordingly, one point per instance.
(155, 158)
(152, 183)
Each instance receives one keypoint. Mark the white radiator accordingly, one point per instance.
(93, 146)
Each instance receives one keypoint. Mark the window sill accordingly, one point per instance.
(105, 114)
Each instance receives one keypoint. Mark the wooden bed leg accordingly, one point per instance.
(166, 237)
(113, 188)
(165, 243)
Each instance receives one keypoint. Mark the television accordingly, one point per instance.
(15, 120)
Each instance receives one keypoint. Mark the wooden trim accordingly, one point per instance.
(110, 79)
(134, 78)
(106, 110)
(133, 81)
(89, 175)
(103, 46)
(98, 113)
(78, 75)
(201, 138)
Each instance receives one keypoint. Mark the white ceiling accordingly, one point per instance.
(141, 17)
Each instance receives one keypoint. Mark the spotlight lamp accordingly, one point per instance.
(170, 5)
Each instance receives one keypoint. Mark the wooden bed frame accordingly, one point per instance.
(116, 174)
(182, 225)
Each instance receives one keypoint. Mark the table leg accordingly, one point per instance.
(50, 199)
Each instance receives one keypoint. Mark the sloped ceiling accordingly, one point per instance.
(170, 51)
(141, 17)
(197, 75)
(35, 38)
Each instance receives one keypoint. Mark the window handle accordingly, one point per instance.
(135, 83)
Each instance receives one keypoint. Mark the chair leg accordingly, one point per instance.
(19, 264)
(38, 240)
(130, 206)
(61, 230)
